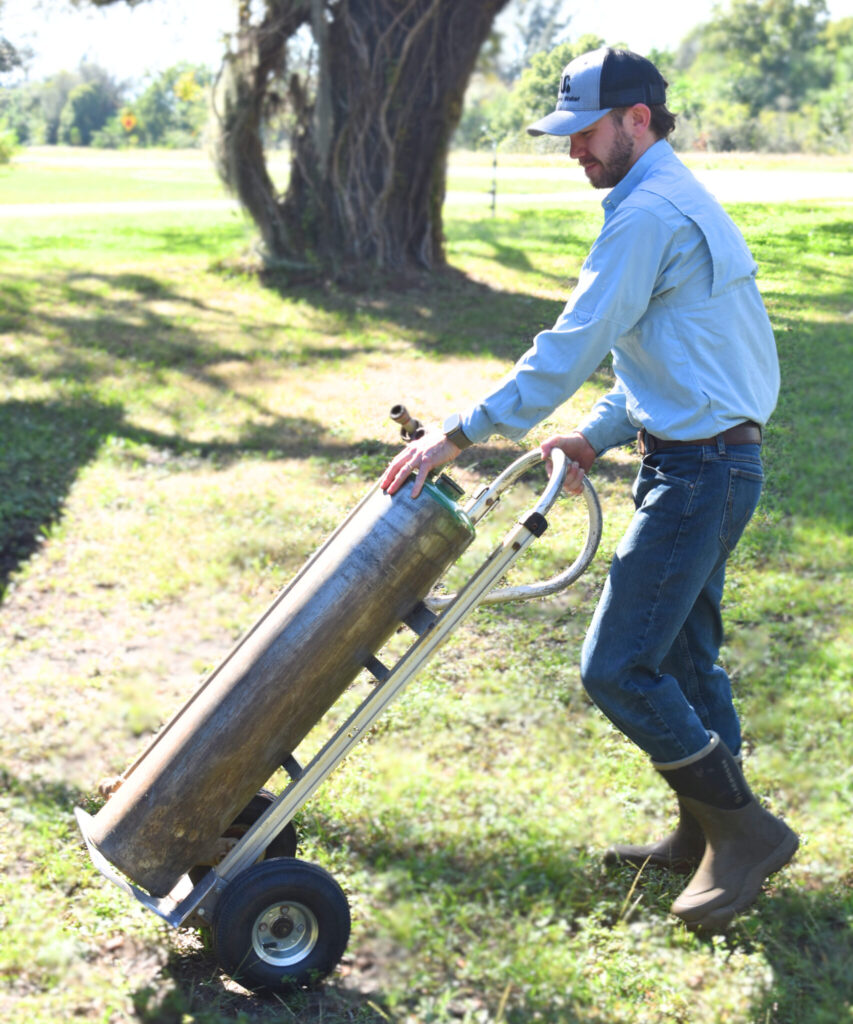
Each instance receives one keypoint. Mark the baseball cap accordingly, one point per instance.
(594, 83)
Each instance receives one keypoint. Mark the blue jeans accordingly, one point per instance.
(649, 658)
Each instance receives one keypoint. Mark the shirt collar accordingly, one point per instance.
(658, 151)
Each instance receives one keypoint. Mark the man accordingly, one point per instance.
(669, 288)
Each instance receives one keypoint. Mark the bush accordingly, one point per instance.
(8, 143)
(182, 138)
(728, 127)
(111, 136)
(831, 125)
(781, 132)
(484, 115)
(87, 109)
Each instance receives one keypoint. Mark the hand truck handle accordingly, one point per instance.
(486, 499)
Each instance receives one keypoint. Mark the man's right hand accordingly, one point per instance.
(578, 451)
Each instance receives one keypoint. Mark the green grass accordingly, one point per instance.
(67, 184)
(59, 174)
(175, 439)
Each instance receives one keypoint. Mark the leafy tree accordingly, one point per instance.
(8, 143)
(832, 118)
(535, 93)
(537, 26)
(114, 135)
(10, 58)
(525, 28)
(769, 51)
(836, 52)
(88, 107)
(837, 38)
(484, 118)
(174, 107)
(765, 74)
(373, 115)
(21, 112)
(93, 96)
(53, 95)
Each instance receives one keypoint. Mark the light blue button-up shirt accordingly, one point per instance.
(668, 287)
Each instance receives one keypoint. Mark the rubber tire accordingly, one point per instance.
(256, 891)
(282, 845)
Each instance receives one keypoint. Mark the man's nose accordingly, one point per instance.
(576, 147)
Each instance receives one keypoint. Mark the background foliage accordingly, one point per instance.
(767, 75)
(90, 107)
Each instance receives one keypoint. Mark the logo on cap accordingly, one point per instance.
(566, 93)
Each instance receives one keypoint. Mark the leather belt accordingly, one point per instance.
(743, 433)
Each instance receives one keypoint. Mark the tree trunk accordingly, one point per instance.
(369, 150)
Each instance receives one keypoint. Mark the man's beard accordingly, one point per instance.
(618, 161)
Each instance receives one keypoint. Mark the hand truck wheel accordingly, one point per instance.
(282, 845)
(280, 925)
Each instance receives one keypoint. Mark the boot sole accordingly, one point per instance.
(719, 918)
(679, 867)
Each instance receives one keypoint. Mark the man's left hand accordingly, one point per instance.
(422, 455)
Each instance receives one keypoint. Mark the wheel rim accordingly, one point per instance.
(285, 933)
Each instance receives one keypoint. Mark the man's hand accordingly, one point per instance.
(578, 451)
(423, 454)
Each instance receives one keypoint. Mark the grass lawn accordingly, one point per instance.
(175, 440)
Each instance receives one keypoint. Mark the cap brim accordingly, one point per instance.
(566, 122)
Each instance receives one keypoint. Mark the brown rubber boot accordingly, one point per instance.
(744, 842)
(681, 851)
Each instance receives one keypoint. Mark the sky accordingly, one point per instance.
(131, 43)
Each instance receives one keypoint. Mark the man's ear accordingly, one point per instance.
(639, 118)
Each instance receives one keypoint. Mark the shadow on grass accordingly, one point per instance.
(807, 938)
(38, 792)
(89, 326)
(47, 443)
(190, 986)
(515, 880)
(442, 313)
(804, 936)
(193, 988)
(513, 240)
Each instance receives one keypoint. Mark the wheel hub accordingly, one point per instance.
(282, 927)
(285, 933)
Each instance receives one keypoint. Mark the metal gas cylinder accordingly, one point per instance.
(253, 710)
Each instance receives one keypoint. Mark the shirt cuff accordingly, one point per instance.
(476, 425)
(607, 426)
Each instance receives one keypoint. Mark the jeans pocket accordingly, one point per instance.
(741, 500)
(659, 474)
(679, 468)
